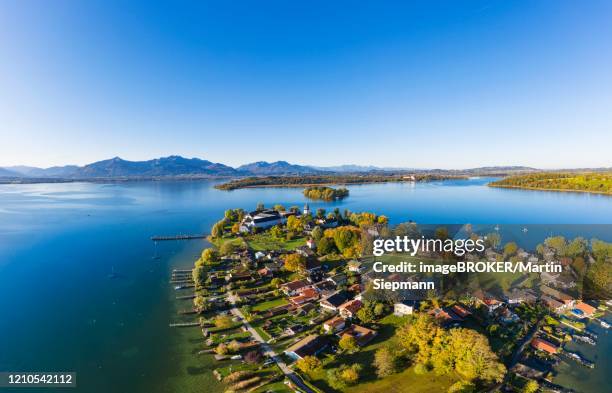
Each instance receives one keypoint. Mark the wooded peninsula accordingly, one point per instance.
(310, 180)
(594, 182)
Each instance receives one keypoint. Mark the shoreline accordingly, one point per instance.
(549, 189)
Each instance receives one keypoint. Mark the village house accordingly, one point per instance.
(265, 272)
(293, 288)
(266, 218)
(310, 243)
(308, 346)
(543, 345)
(307, 294)
(553, 304)
(305, 251)
(361, 334)
(350, 308)
(334, 301)
(567, 301)
(404, 307)
(445, 315)
(488, 300)
(507, 316)
(338, 279)
(520, 295)
(461, 311)
(334, 324)
(586, 309)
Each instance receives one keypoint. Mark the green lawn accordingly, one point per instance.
(263, 242)
(263, 306)
(406, 382)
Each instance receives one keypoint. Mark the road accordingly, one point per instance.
(267, 350)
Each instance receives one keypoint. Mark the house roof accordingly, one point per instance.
(336, 299)
(352, 306)
(552, 303)
(544, 345)
(335, 321)
(362, 335)
(294, 285)
(461, 311)
(309, 345)
(585, 308)
(563, 297)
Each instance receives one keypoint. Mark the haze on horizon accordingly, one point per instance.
(450, 84)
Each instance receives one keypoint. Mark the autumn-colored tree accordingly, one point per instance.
(385, 361)
(295, 262)
(210, 255)
(309, 364)
(348, 343)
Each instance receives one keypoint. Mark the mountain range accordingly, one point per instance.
(177, 166)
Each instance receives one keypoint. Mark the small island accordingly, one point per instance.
(593, 182)
(326, 193)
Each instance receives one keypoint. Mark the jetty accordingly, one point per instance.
(577, 358)
(184, 324)
(185, 297)
(177, 237)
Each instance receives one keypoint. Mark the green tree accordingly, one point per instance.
(228, 248)
(279, 208)
(276, 232)
(317, 233)
(326, 246)
(276, 282)
(217, 229)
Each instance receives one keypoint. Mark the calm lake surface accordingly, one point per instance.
(80, 289)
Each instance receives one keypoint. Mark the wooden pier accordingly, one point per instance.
(177, 237)
(184, 324)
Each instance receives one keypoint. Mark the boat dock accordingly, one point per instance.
(184, 324)
(177, 237)
(577, 358)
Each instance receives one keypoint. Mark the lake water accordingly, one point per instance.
(61, 310)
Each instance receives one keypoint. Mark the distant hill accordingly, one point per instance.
(8, 173)
(264, 168)
(177, 166)
(55, 171)
(165, 166)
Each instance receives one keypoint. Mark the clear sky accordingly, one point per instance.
(446, 84)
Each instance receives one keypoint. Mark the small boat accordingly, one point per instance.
(604, 324)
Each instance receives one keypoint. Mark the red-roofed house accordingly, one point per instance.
(350, 308)
(543, 345)
(587, 309)
(334, 324)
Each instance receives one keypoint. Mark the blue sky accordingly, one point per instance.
(451, 84)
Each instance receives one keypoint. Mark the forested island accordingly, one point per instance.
(326, 193)
(311, 180)
(595, 182)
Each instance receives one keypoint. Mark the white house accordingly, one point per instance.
(404, 307)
